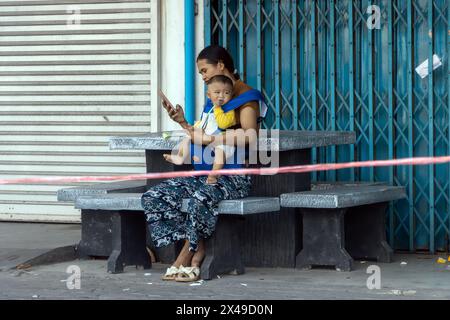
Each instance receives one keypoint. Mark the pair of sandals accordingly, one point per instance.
(182, 274)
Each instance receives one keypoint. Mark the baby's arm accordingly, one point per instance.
(224, 119)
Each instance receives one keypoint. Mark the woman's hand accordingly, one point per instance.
(199, 137)
(176, 115)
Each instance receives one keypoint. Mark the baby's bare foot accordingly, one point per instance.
(177, 160)
(211, 180)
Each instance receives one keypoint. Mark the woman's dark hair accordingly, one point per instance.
(221, 79)
(215, 54)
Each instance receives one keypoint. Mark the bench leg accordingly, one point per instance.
(365, 228)
(95, 233)
(82, 252)
(324, 240)
(167, 254)
(128, 242)
(223, 250)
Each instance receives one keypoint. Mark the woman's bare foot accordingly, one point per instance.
(175, 159)
(152, 255)
(198, 257)
(211, 179)
(185, 257)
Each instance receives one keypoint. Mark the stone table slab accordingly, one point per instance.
(274, 140)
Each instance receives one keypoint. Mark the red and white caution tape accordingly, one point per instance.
(259, 171)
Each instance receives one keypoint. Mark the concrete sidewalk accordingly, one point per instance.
(419, 277)
(36, 243)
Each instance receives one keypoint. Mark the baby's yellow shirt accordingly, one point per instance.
(224, 119)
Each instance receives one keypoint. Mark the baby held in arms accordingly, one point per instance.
(220, 91)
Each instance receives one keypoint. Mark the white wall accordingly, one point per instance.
(172, 56)
(199, 45)
(62, 125)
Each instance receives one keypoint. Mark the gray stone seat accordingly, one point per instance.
(132, 202)
(325, 185)
(71, 194)
(111, 202)
(128, 230)
(245, 206)
(342, 197)
(343, 223)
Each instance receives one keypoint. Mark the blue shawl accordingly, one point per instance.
(237, 161)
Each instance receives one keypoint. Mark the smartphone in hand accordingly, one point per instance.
(166, 103)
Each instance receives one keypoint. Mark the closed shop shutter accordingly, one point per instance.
(72, 74)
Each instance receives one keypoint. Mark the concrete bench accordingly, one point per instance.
(96, 239)
(129, 228)
(128, 231)
(343, 223)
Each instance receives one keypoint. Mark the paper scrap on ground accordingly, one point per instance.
(243, 284)
(403, 263)
(403, 292)
(147, 274)
(196, 284)
(409, 292)
(440, 260)
(422, 69)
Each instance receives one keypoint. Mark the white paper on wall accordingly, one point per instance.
(422, 69)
